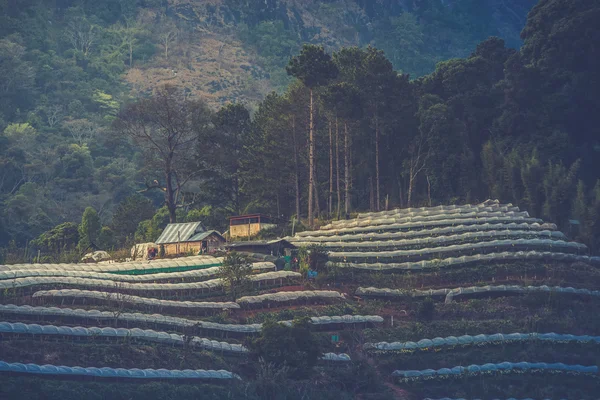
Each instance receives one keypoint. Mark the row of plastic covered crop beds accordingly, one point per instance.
(459, 220)
(488, 205)
(115, 373)
(468, 260)
(131, 267)
(438, 241)
(414, 234)
(67, 271)
(493, 246)
(493, 369)
(179, 290)
(96, 317)
(134, 373)
(451, 342)
(424, 216)
(499, 290)
(88, 297)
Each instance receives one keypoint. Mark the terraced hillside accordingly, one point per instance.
(472, 301)
(479, 301)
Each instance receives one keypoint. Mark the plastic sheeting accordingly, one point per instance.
(450, 294)
(401, 211)
(115, 372)
(106, 284)
(530, 244)
(176, 322)
(426, 216)
(106, 296)
(132, 267)
(498, 290)
(464, 260)
(382, 292)
(136, 287)
(96, 315)
(275, 275)
(147, 335)
(344, 319)
(197, 274)
(406, 226)
(291, 296)
(424, 212)
(505, 367)
(343, 357)
(467, 340)
(440, 240)
(434, 232)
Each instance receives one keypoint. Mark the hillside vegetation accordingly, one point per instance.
(385, 129)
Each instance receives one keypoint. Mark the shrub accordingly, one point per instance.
(426, 309)
(295, 347)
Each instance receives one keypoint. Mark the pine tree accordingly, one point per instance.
(314, 68)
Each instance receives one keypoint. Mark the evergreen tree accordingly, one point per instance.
(314, 68)
(89, 230)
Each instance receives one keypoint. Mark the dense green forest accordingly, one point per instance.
(390, 104)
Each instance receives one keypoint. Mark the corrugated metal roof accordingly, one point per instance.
(203, 235)
(174, 233)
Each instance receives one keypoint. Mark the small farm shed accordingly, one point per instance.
(189, 237)
(242, 226)
(276, 247)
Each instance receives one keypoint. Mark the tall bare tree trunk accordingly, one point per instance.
(377, 161)
(330, 202)
(297, 167)
(170, 196)
(428, 190)
(311, 157)
(337, 166)
(346, 170)
(411, 184)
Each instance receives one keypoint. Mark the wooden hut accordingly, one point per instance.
(190, 237)
(243, 226)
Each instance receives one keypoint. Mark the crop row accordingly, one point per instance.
(462, 249)
(92, 372)
(16, 287)
(466, 260)
(483, 212)
(131, 267)
(17, 329)
(492, 369)
(450, 294)
(441, 208)
(195, 307)
(179, 324)
(438, 241)
(192, 275)
(434, 232)
(496, 218)
(452, 342)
